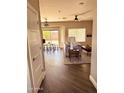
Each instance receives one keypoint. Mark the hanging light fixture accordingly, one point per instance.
(76, 19)
(46, 23)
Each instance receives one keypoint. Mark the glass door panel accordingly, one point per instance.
(51, 37)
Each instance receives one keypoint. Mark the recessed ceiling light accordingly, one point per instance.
(64, 18)
(81, 3)
(59, 11)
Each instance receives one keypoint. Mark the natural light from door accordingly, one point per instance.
(51, 37)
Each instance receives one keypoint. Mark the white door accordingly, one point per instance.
(35, 48)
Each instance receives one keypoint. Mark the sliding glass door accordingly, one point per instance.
(51, 37)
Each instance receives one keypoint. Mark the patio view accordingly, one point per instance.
(51, 37)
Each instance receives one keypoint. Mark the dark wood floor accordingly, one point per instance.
(62, 78)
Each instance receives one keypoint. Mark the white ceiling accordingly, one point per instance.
(56, 10)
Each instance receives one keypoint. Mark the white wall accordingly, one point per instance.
(93, 73)
(62, 36)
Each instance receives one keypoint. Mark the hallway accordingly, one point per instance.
(62, 78)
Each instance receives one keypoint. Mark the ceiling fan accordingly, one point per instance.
(76, 15)
(76, 18)
(46, 23)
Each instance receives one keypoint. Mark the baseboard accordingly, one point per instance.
(93, 81)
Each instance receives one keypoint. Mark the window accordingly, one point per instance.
(78, 33)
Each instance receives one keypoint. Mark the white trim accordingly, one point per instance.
(93, 81)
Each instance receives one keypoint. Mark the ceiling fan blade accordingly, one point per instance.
(44, 18)
(78, 14)
(84, 12)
